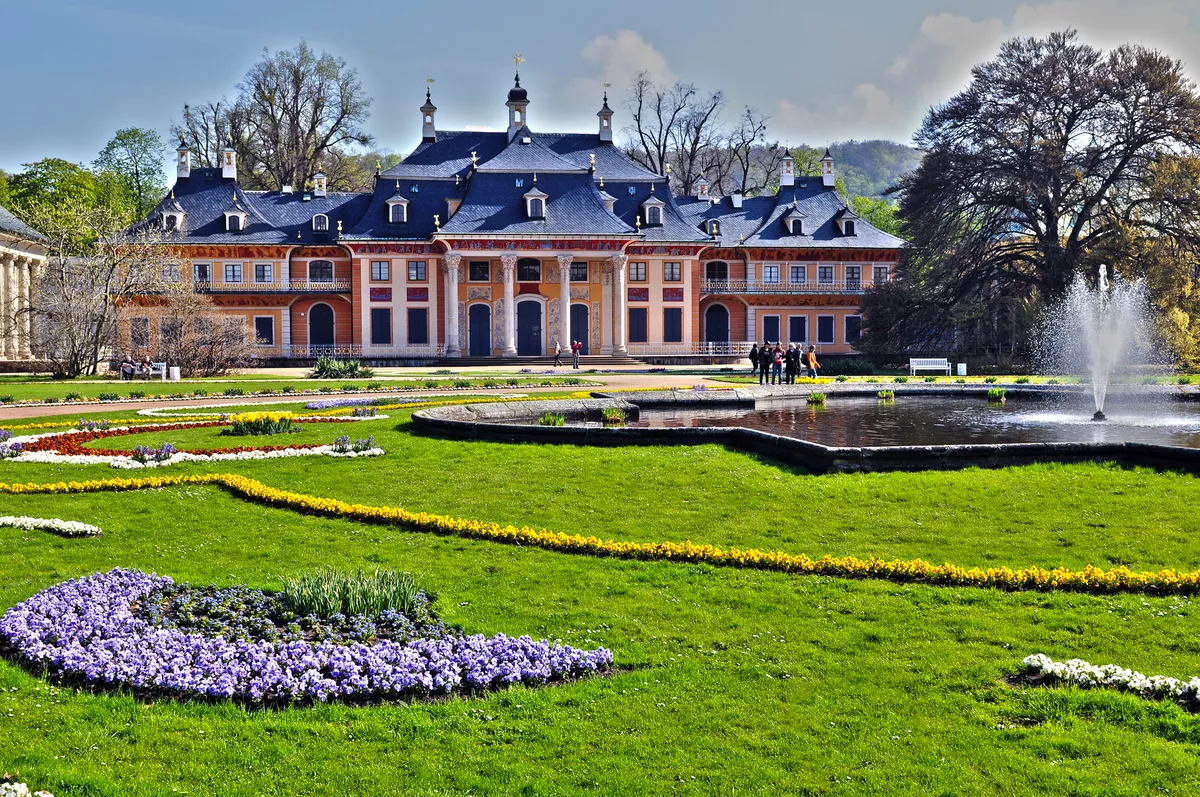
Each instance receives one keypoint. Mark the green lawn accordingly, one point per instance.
(731, 682)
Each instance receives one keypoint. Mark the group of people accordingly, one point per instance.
(576, 348)
(129, 368)
(775, 365)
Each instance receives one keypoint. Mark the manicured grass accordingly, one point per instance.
(732, 682)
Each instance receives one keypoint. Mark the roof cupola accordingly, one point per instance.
(518, 102)
(606, 114)
(183, 164)
(228, 161)
(787, 171)
(428, 132)
(827, 176)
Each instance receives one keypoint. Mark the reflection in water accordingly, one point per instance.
(926, 420)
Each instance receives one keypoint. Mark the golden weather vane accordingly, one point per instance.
(518, 60)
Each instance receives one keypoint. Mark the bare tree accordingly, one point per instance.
(673, 126)
(294, 111)
(188, 329)
(93, 267)
(755, 164)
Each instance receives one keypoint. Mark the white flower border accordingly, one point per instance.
(129, 463)
(1113, 676)
(65, 528)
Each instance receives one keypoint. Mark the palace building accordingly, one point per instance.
(21, 256)
(502, 244)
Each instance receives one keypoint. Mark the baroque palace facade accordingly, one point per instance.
(502, 244)
(21, 256)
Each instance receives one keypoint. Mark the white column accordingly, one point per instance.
(564, 280)
(451, 263)
(606, 308)
(8, 334)
(508, 263)
(620, 313)
(25, 325)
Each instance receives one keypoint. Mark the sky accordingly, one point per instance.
(76, 72)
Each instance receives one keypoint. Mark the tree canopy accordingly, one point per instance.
(135, 155)
(1036, 171)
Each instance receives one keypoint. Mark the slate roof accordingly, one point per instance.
(271, 217)
(495, 204)
(11, 225)
(429, 199)
(533, 156)
(449, 155)
(760, 220)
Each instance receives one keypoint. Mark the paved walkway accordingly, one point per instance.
(616, 381)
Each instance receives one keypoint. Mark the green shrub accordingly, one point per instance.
(1053, 382)
(851, 366)
(1022, 380)
(431, 384)
(260, 423)
(73, 395)
(960, 381)
(872, 380)
(7, 398)
(137, 394)
(900, 380)
(327, 592)
(333, 368)
(199, 392)
(842, 378)
(50, 400)
(374, 385)
(1183, 380)
(931, 379)
(991, 380)
(351, 388)
(288, 389)
(109, 396)
(996, 393)
(572, 381)
(816, 398)
(443, 372)
(233, 391)
(887, 395)
(613, 416)
(552, 419)
(461, 383)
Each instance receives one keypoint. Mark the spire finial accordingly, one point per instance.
(535, 178)
(428, 83)
(437, 221)
(339, 226)
(601, 182)
(518, 60)
(607, 86)
(474, 157)
(592, 159)
(172, 194)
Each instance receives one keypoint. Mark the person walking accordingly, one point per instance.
(764, 364)
(753, 358)
(576, 347)
(557, 354)
(777, 365)
(811, 361)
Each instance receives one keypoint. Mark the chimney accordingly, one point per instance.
(736, 199)
(228, 162)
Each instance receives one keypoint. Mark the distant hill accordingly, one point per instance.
(871, 167)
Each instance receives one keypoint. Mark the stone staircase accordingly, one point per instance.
(586, 361)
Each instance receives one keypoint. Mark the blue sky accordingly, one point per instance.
(76, 72)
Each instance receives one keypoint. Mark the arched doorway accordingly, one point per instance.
(529, 329)
(579, 326)
(716, 324)
(320, 325)
(479, 330)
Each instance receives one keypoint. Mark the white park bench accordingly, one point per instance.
(155, 369)
(928, 364)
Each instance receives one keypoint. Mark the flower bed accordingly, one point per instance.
(1111, 676)
(87, 631)
(63, 528)
(1089, 579)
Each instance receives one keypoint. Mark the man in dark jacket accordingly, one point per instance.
(753, 359)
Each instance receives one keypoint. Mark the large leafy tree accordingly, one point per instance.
(56, 183)
(1031, 174)
(295, 113)
(135, 155)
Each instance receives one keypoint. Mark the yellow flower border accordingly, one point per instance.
(1089, 579)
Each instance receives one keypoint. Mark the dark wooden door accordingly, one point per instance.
(529, 329)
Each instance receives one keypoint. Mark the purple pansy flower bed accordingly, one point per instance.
(89, 631)
(331, 404)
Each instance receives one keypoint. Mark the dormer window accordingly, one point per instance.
(793, 221)
(653, 207)
(233, 223)
(535, 203)
(849, 227)
(320, 223)
(397, 210)
(653, 216)
(171, 222)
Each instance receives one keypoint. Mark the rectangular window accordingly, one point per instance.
(170, 330)
(139, 332)
(381, 326)
(320, 271)
(824, 274)
(672, 272)
(479, 271)
(416, 271)
(529, 270)
(202, 272)
(673, 325)
(770, 275)
(799, 275)
(418, 325)
(264, 272)
(579, 272)
(235, 329)
(797, 329)
(853, 328)
(637, 272)
(264, 330)
(637, 325)
(771, 328)
(882, 274)
(381, 270)
(233, 272)
(853, 277)
(824, 329)
(717, 271)
(172, 272)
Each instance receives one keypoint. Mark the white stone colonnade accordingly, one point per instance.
(16, 297)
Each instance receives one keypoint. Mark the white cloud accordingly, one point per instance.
(621, 57)
(938, 62)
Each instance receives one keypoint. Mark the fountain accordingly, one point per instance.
(1096, 330)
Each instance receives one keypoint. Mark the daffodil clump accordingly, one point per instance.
(260, 423)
